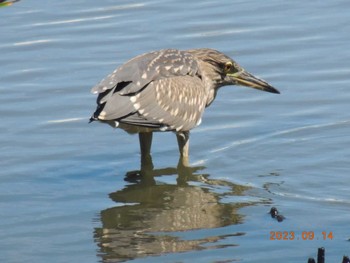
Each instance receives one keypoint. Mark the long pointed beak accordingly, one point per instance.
(244, 78)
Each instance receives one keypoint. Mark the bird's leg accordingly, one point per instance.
(183, 140)
(145, 142)
(145, 146)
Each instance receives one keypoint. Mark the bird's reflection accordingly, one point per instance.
(149, 213)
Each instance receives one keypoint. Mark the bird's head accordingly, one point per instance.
(222, 70)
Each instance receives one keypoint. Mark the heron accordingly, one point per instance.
(167, 90)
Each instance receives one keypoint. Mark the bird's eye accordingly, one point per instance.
(228, 66)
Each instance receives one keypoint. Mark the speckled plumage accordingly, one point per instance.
(167, 90)
(161, 90)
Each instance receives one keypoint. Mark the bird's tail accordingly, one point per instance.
(97, 112)
(92, 118)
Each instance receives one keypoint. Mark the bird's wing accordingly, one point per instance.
(175, 103)
(135, 75)
(145, 68)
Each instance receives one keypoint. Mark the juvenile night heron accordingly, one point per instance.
(167, 90)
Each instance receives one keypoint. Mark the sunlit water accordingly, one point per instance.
(64, 196)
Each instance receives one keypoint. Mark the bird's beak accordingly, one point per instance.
(246, 79)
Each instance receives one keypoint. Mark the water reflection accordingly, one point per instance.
(152, 213)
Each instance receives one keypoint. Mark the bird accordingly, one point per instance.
(167, 90)
(7, 3)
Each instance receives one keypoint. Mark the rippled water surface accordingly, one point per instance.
(71, 191)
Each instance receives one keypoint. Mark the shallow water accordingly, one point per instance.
(64, 193)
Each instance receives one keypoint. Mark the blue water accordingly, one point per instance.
(64, 194)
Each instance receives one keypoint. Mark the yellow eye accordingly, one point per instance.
(228, 66)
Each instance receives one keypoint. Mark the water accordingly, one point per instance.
(64, 196)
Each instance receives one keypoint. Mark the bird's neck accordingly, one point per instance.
(211, 88)
(211, 81)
